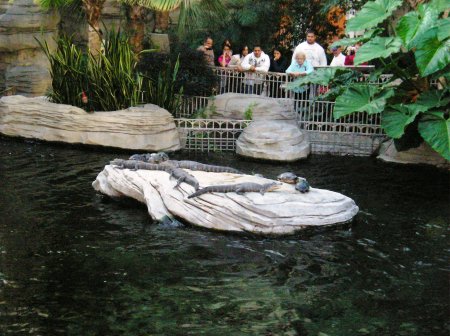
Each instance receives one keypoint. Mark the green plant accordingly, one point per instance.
(414, 103)
(248, 113)
(109, 81)
(163, 90)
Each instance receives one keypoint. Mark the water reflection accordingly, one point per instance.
(73, 262)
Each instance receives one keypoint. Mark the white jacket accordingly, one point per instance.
(314, 53)
(338, 61)
(261, 64)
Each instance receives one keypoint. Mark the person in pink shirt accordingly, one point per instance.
(225, 58)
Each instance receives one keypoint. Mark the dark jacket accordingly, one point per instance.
(278, 66)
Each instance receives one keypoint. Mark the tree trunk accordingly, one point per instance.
(93, 9)
(161, 22)
(136, 14)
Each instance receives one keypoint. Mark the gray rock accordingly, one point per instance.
(423, 154)
(149, 128)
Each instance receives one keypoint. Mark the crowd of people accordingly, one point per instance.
(312, 55)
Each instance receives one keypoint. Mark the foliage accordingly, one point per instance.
(194, 74)
(110, 81)
(409, 103)
(248, 113)
(164, 91)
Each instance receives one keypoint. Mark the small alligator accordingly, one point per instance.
(150, 158)
(192, 165)
(182, 176)
(135, 165)
(239, 188)
(178, 173)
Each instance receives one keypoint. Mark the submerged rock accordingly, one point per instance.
(278, 212)
(150, 127)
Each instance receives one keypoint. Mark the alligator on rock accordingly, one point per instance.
(239, 188)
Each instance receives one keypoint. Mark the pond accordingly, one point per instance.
(75, 262)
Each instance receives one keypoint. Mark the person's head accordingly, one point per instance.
(226, 42)
(208, 42)
(257, 50)
(300, 57)
(244, 50)
(336, 50)
(226, 49)
(276, 53)
(310, 36)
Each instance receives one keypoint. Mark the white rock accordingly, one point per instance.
(145, 128)
(234, 106)
(273, 140)
(282, 211)
(423, 154)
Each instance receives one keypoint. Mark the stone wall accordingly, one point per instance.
(23, 65)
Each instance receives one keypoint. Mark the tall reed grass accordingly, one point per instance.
(110, 81)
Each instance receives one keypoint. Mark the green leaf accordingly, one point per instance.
(413, 25)
(378, 47)
(435, 129)
(443, 26)
(395, 118)
(361, 98)
(363, 38)
(439, 5)
(431, 99)
(431, 54)
(371, 14)
(321, 76)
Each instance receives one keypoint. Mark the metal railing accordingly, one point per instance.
(355, 134)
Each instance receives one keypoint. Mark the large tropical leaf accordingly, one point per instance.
(395, 118)
(361, 98)
(363, 38)
(443, 26)
(432, 54)
(412, 25)
(321, 76)
(371, 14)
(378, 47)
(430, 99)
(435, 129)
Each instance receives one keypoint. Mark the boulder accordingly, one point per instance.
(148, 128)
(235, 105)
(273, 140)
(273, 134)
(423, 154)
(282, 211)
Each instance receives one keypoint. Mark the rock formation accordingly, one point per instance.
(148, 128)
(423, 154)
(23, 66)
(273, 134)
(282, 211)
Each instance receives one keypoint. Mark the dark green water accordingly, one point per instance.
(74, 262)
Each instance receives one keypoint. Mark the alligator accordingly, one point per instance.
(150, 158)
(192, 165)
(239, 188)
(182, 176)
(135, 165)
(178, 173)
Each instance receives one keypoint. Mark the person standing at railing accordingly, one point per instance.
(338, 57)
(299, 67)
(315, 54)
(207, 49)
(278, 63)
(237, 59)
(224, 60)
(255, 66)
